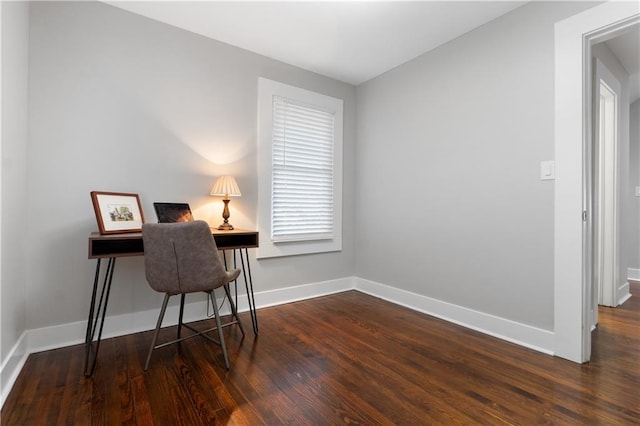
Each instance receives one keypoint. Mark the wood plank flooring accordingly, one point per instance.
(342, 359)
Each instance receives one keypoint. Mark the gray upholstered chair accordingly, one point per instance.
(182, 258)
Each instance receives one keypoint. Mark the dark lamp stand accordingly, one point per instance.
(226, 226)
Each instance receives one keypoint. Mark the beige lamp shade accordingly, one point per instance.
(226, 186)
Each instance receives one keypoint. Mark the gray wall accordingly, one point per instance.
(449, 201)
(633, 248)
(450, 204)
(14, 221)
(119, 102)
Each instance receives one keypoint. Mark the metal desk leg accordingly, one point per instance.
(95, 315)
(248, 284)
(249, 288)
(235, 282)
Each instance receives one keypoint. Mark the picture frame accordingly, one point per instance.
(117, 212)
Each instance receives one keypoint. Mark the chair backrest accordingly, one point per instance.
(181, 257)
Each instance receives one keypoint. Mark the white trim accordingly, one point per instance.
(521, 334)
(5, 384)
(281, 296)
(606, 141)
(62, 335)
(633, 274)
(59, 336)
(572, 299)
(1, 157)
(12, 365)
(623, 293)
(267, 89)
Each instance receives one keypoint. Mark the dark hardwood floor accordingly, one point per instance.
(343, 359)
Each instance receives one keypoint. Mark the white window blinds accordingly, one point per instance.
(302, 179)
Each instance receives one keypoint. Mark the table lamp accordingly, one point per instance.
(226, 186)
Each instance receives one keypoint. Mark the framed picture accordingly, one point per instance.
(117, 212)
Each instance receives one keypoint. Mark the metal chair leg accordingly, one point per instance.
(233, 308)
(182, 296)
(155, 334)
(219, 326)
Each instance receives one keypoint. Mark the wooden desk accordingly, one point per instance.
(123, 245)
(112, 246)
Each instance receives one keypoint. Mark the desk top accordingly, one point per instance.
(130, 244)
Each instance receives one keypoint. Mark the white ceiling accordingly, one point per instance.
(351, 41)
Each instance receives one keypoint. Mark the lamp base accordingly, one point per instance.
(225, 227)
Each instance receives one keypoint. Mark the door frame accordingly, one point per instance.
(605, 186)
(573, 135)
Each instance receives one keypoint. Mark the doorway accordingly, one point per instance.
(573, 279)
(604, 188)
(607, 169)
(616, 63)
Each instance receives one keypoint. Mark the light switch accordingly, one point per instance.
(637, 191)
(547, 170)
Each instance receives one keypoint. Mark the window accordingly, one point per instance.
(299, 170)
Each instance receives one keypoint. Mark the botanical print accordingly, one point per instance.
(120, 213)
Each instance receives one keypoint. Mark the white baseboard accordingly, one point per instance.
(12, 366)
(301, 292)
(633, 274)
(58, 336)
(623, 293)
(511, 331)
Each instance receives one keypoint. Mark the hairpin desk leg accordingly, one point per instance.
(96, 315)
(249, 288)
(235, 282)
(248, 284)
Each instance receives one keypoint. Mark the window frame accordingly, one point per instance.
(267, 89)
